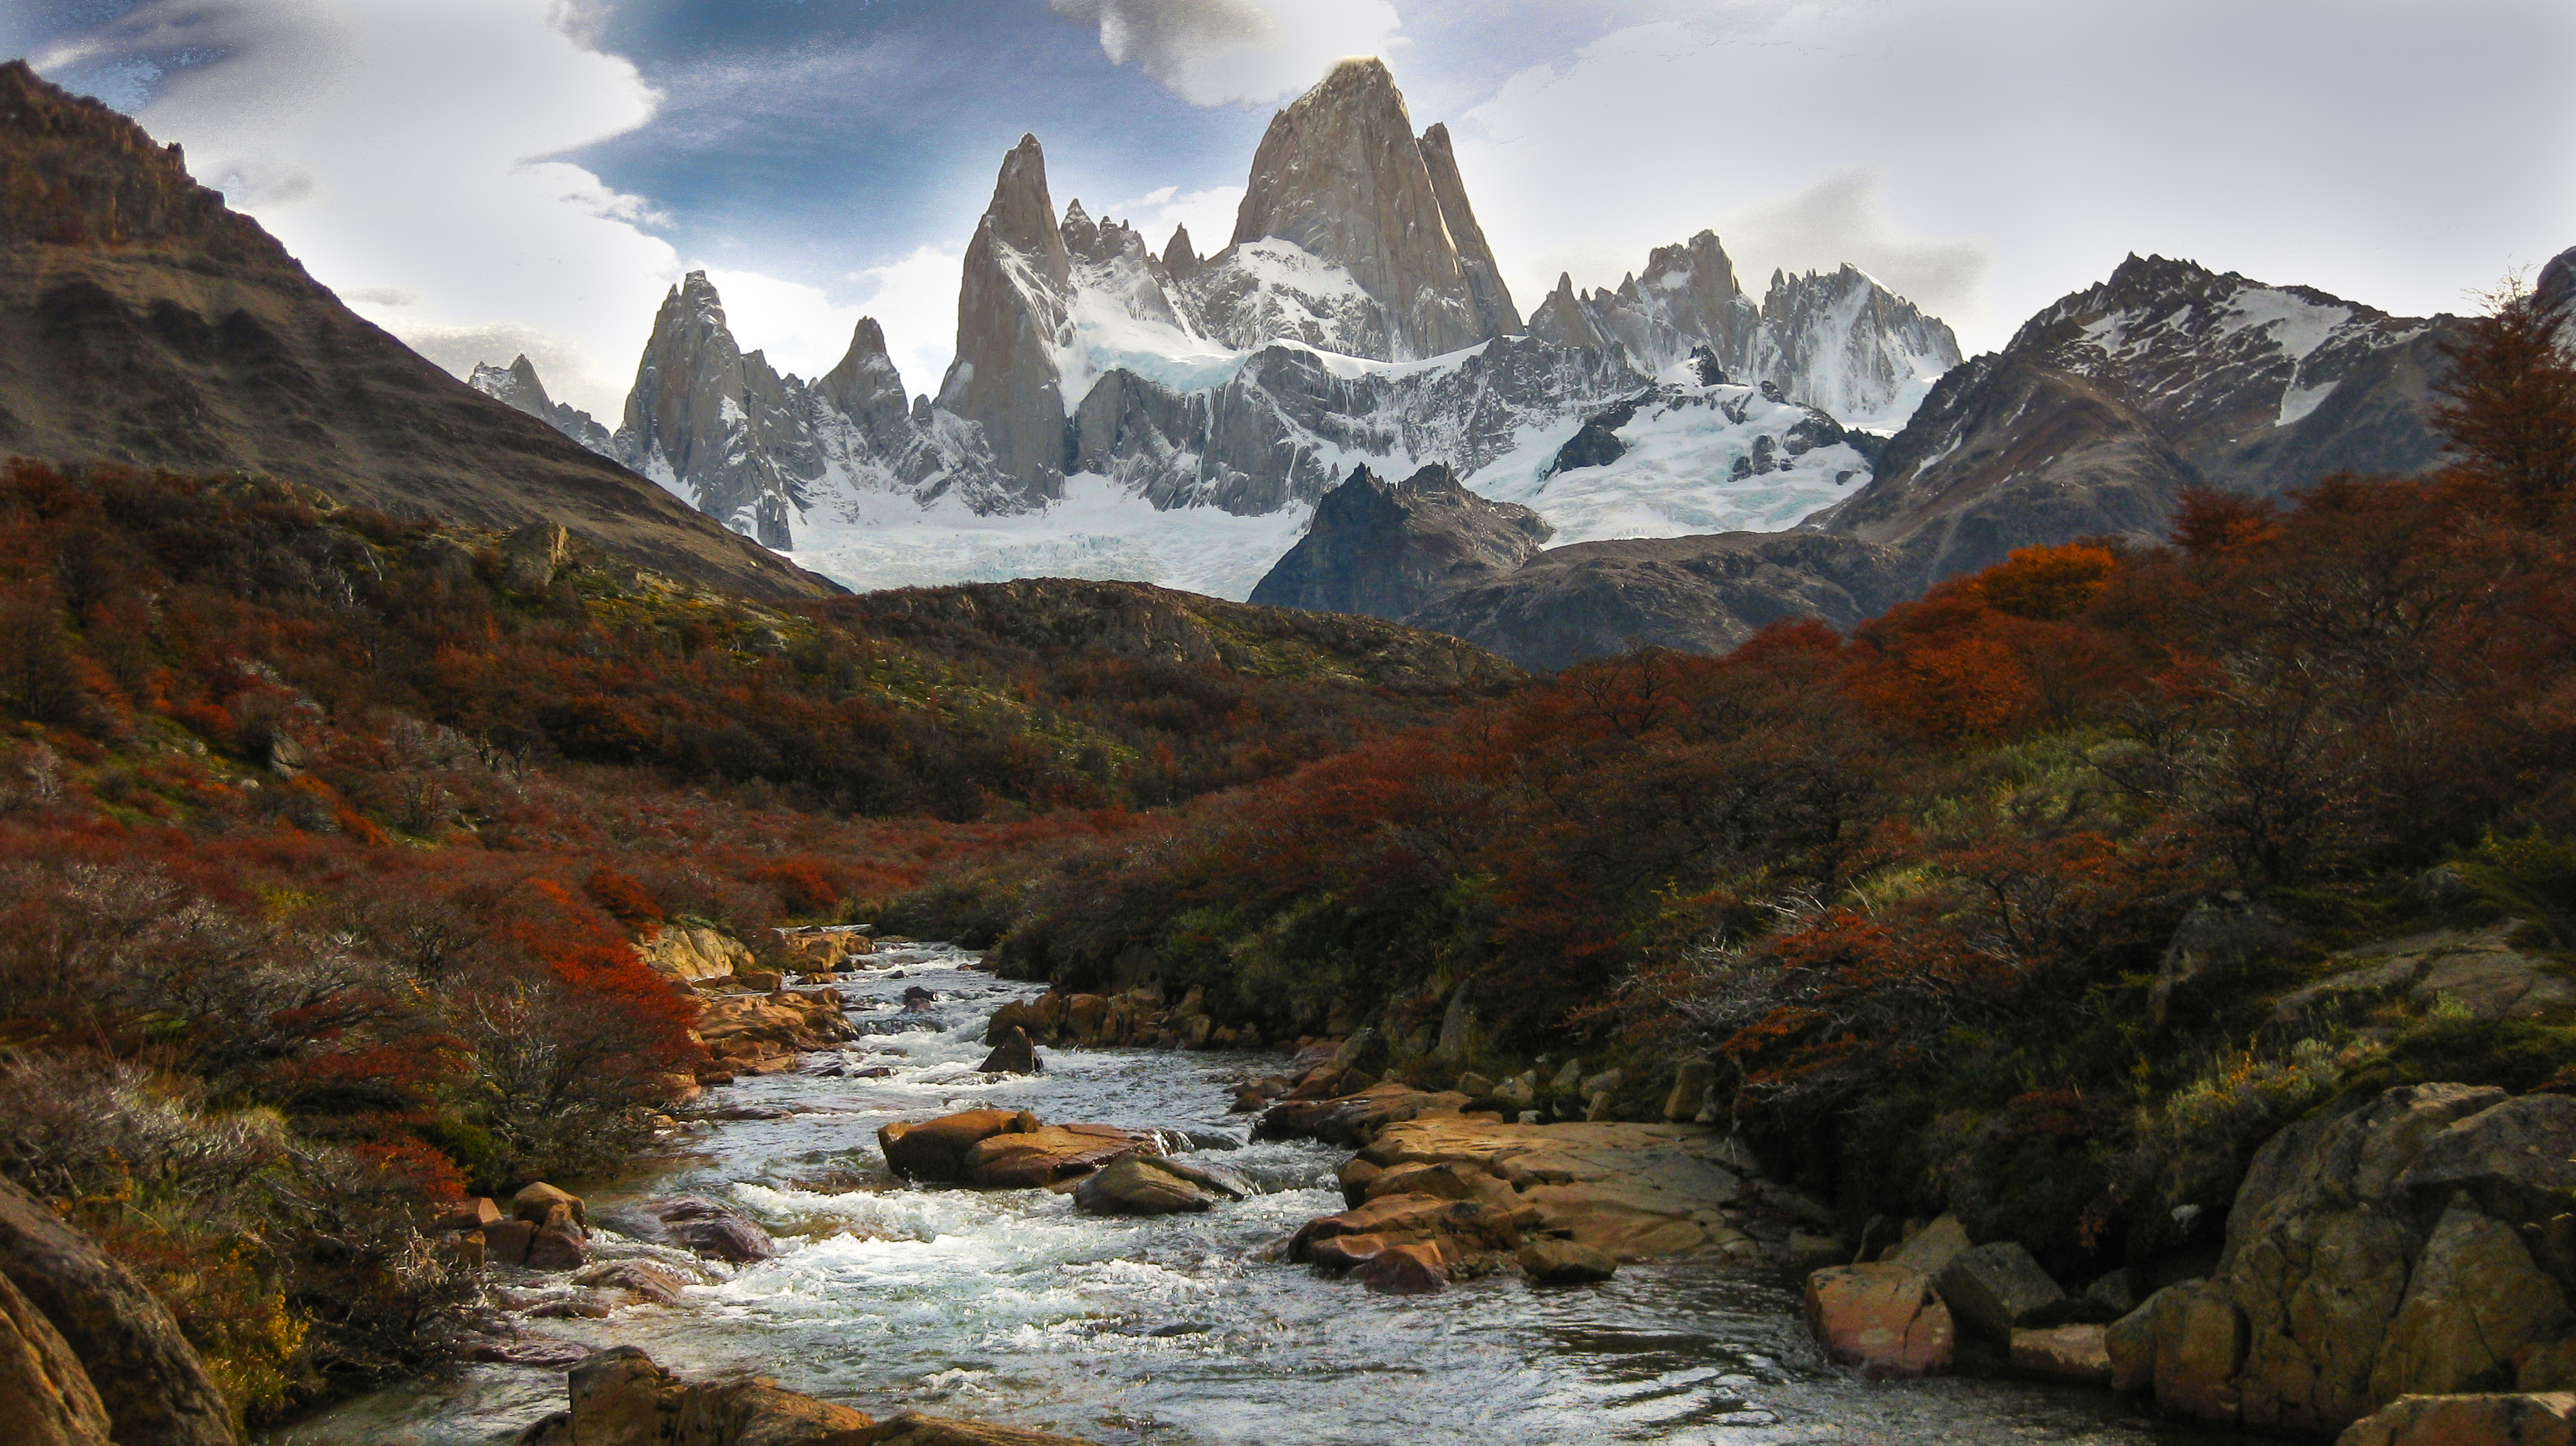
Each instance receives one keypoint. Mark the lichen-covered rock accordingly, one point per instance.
(1881, 1318)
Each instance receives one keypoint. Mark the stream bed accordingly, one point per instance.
(1180, 1331)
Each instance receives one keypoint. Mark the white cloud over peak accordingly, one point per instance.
(1236, 52)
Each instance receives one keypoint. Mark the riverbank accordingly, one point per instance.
(1015, 1306)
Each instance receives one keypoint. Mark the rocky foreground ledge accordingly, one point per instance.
(2399, 1271)
(620, 1398)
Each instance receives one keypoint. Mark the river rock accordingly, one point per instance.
(2497, 1420)
(703, 1227)
(1550, 1261)
(694, 953)
(620, 1398)
(1155, 1185)
(1465, 1229)
(1014, 1055)
(1881, 1318)
(1354, 1119)
(507, 1242)
(1630, 1191)
(1449, 1182)
(1413, 1267)
(559, 1242)
(1050, 1155)
(767, 1033)
(155, 1388)
(45, 1396)
(935, 1150)
(1995, 1289)
(2065, 1353)
(534, 1203)
(476, 1214)
(656, 1283)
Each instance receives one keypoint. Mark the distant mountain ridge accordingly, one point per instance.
(143, 322)
(2092, 421)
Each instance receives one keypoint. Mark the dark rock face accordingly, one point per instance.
(1010, 308)
(141, 322)
(1341, 176)
(2108, 404)
(1386, 549)
(1013, 1055)
(156, 1390)
(1598, 444)
(1692, 594)
(718, 420)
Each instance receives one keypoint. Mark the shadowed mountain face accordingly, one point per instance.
(1385, 549)
(2093, 421)
(142, 322)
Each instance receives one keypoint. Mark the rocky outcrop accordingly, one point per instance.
(45, 1396)
(691, 952)
(620, 1398)
(154, 1389)
(141, 322)
(1487, 297)
(1341, 180)
(1386, 549)
(719, 423)
(1010, 309)
(2416, 1245)
(767, 1033)
(865, 388)
(517, 385)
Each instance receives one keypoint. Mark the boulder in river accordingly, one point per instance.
(1014, 1055)
(535, 1202)
(1884, 1319)
(695, 1224)
(934, 1150)
(2064, 1353)
(1550, 1261)
(1049, 1155)
(1157, 1185)
(1413, 1267)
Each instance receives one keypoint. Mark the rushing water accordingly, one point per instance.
(1013, 1307)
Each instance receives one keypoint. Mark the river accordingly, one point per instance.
(1181, 1331)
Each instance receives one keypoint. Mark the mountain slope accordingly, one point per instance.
(142, 322)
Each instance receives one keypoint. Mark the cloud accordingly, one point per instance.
(399, 148)
(1841, 218)
(2052, 138)
(1236, 52)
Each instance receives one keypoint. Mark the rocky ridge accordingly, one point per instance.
(144, 323)
(1384, 549)
(517, 385)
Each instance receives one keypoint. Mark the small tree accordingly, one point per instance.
(2508, 409)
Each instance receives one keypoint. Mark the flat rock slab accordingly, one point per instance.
(2479, 968)
(1883, 1319)
(2065, 1353)
(1630, 1191)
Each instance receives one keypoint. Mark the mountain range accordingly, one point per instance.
(1342, 408)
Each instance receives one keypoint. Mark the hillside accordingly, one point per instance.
(144, 323)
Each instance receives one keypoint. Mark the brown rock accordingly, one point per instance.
(2473, 1300)
(1631, 1191)
(1999, 1288)
(1151, 1185)
(537, 1201)
(150, 1380)
(2522, 1420)
(476, 1214)
(757, 1412)
(1882, 1318)
(1933, 1247)
(908, 1428)
(2066, 1353)
(935, 1150)
(45, 1397)
(1449, 1182)
(2131, 1345)
(1466, 1228)
(1406, 1268)
(1344, 1252)
(654, 1282)
(507, 1242)
(1014, 1055)
(1357, 1174)
(1550, 1261)
(1049, 1155)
